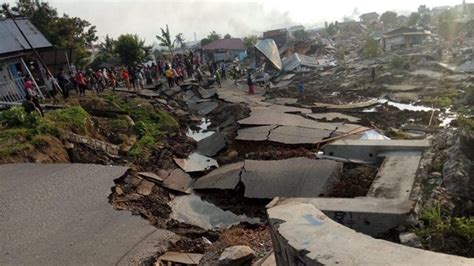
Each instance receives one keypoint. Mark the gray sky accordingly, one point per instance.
(236, 17)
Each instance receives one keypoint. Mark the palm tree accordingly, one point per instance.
(165, 40)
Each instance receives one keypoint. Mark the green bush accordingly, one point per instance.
(74, 119)
(371, 48)
(398, 62)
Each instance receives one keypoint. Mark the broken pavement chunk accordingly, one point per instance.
(255, 133)
(181, 258)
(347, 106)
(225, 177)
(236, 256)
(151, 176)
(211, 145)
(179, 181)
(145, 188)
(295, 177)
(298, 135)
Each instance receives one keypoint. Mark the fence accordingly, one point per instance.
(12, 91)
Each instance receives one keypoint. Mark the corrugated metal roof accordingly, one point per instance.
(12, 41)
(269, 49)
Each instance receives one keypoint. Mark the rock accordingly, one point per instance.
(145, 188)
(119, 190)
(410, 239)
(151, 176)
(236, 255)
(232, 155)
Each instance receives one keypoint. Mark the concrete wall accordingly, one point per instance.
(371, 216)
(303, 235)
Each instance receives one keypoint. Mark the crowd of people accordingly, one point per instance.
(136, 77)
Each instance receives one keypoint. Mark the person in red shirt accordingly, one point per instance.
(126, 78)
(81, 83)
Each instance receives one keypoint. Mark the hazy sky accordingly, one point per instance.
(236, 17)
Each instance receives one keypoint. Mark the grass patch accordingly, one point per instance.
(74, 119)
(151, 126)
(444, 233)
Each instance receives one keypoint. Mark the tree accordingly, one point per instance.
(165, 40)
(389, 19)
(62, 32)
(213, 36)
(447, 28)
(227, 36)
(131, 49)
(426, 20)
(106, 51)
(371, 48)
(331, 29)
(413, 19)
(249, 43)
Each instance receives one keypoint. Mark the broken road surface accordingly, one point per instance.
(59, 214)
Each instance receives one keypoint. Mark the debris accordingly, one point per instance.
(179, 181)
(333, 116)
(225, 177)
(297, 61)
(151, 176)
(145, 188)
(410, 239)
(180, 258)
(236, 256)
(269, 49)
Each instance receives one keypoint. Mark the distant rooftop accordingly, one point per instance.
(229, 44)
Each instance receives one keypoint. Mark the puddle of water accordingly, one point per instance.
(408, 107)
(202, 133)
(447, 118)
(191, 209)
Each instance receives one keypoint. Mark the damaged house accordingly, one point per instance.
(280, 36)
(225, 50)
(18, 60)
(403, 37)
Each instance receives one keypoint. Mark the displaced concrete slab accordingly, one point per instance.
(298, 135)
(347, 106)
(372, 216)
(396, 176)
(254, 133)
(333, 116)
(427, 73)
(281, 109)
(196, 163)
(207, 93)
(179, 181)
(59, 214)
(193, 210)
(145, 188)
(283, 119)
(298, 60)
(181, 258)
(148, 93)
(295, 177)
(151, 176)
(331, 243)
(205, 108)
(368, 150)
(283, 101)
(225, 177)
(401, 87)
(211, 145)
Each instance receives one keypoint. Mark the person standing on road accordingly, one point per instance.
(169, 77)
(300, 88)
(250, 84)
(63, 83)
(218, 78)
(234, 75)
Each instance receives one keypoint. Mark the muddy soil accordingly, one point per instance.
(355, 181)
